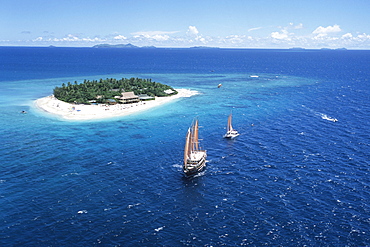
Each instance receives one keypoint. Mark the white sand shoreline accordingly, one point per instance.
(69, 111)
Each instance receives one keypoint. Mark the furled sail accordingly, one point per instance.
(187, 146)
(195, 136)
(229, 127)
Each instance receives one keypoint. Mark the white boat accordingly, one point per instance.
(324, 116)
(194, 156)
(231, 133)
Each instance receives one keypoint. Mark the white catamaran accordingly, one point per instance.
(231, 133)
(194, 157)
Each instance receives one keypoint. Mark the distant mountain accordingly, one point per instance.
(297, 48)
(203, 47)
(337, 49)
(151, 46)
(115, 46)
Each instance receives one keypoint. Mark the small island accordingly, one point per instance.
(204, 47)
(116, 46)
(112, 91)
(108, 98)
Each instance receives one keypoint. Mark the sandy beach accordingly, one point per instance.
(68, 111)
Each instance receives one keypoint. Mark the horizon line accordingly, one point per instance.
(190, 47)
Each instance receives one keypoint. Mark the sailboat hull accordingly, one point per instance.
(194, 166)
(194, 157)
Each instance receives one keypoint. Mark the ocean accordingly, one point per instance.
(298, 174)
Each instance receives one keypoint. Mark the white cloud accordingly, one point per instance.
(120, 37)
(320, 36)
(280, 35)
(193, 30)
(159, 37)
(201, 39)
(284, 34)
(291, 26)
(153, 35)
(156, 37)
(96, 39)
(363, 36)
(194, 35)
(70, 37)
(347, 36)
(235, 39)
(284, 37)
(326, 30)
(254, 28)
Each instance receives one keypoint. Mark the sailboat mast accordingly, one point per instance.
(187, 147)
(231, 119)
(229, 127)
(196, 141)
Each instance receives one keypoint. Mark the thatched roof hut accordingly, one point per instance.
(129, 97)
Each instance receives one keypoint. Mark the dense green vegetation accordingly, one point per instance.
(102, 90)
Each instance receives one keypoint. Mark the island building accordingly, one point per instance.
(145, 97)
(128, 98)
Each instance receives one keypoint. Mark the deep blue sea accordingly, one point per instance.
(292, 178)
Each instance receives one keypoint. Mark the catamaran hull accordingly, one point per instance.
(231, 135)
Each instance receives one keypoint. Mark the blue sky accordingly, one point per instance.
(187, 23)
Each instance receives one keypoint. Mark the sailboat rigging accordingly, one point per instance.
(231, 133)
(194, 156)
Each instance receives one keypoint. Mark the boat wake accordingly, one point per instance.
(326, 117)
(199, 174)
(159, 228)
(177, 165)
(322, 115)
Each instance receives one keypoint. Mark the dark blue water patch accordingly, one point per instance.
(292, 177)
(232, 106)
(40, 63)
(137, 136)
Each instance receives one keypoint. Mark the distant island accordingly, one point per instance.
(125, 46)
(297, 49)
(337, 49)
(322, 49)
(112, 91)
(204, 47)
(131, 46)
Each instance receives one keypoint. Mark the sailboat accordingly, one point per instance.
(194, 156)
(231, 133)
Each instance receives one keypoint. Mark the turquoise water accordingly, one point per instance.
(292, 177)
